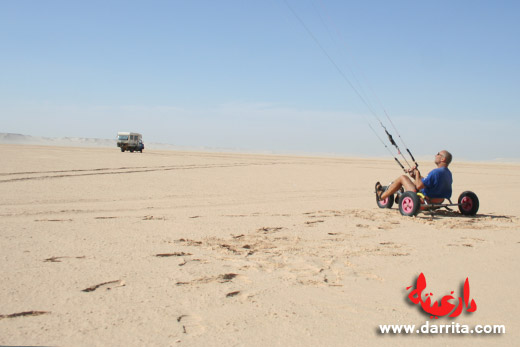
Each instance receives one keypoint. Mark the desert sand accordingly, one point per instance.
(175, 248)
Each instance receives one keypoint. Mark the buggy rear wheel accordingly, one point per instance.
(409, 204)
(386, 203)
(468, 203)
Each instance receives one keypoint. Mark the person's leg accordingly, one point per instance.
(401, 181)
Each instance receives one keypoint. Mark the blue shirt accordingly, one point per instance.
(438, 183)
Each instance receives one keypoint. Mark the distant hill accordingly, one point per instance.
(20, 139)
(9, 138)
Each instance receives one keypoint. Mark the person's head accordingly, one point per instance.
(443, 158)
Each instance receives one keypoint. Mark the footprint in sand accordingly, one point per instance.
(58, 259)
(232, 294)
(312, 222)
(53, 220)
(224, 278)
(153, 218)
(364, 226)
(267, 230)
(107, 285)
(190, 324)
(23, 314)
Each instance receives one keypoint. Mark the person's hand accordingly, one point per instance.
(413, 171)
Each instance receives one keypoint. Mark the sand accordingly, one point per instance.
(186, 248)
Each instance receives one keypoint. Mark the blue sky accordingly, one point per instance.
(247, 75)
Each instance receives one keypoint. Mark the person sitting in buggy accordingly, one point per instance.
(435, 187)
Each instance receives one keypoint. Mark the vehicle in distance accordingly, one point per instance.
(128, 141)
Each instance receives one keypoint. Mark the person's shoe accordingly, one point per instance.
(379, 190)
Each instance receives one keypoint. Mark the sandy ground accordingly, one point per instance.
(166, 248)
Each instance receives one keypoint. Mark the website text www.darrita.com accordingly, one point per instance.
(453, 328)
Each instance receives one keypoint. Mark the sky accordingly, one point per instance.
(281, 76)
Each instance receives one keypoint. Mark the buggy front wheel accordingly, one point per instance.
(409, 204)
(386, 203)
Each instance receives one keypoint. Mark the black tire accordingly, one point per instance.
(468, 203)
(387, 203)
(132, 150)
(398, 195)
(122, 149)
(409, 204)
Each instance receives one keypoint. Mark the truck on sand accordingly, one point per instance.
(128, 141)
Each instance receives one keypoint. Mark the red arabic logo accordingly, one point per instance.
(445, 307)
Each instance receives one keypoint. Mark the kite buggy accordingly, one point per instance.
(411, 203)
(429, 193)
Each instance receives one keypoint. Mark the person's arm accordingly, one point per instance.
(418, 179)
(416, 175)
